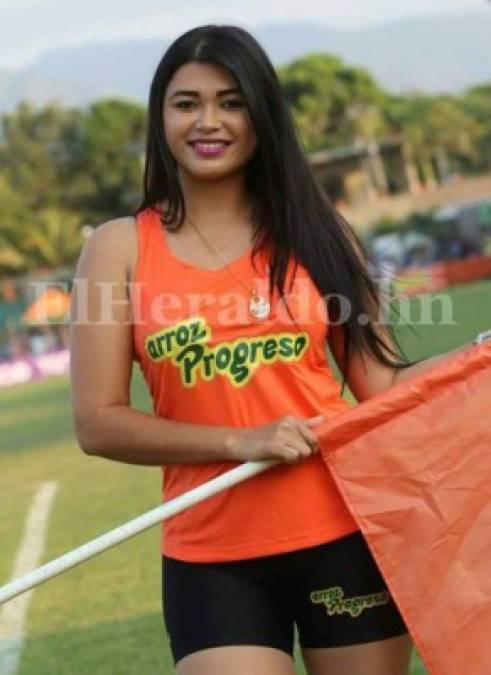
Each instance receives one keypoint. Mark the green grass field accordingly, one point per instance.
(104, 617)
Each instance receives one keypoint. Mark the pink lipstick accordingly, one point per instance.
(209, 148)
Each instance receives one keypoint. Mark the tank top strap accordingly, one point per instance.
(148, 234)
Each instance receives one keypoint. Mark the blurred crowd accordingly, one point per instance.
(454, 232)
(34, 341)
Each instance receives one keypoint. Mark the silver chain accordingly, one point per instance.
(259, 306)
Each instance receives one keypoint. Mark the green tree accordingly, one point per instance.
(55, 241)
(36, 151)
(60, 169)
(437, 129)
(477, 103)
(12, 223)
(50, 241)
(106, 175)
(333, 104)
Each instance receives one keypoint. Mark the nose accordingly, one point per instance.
(209, 117)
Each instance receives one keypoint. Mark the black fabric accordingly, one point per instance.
(333, 592)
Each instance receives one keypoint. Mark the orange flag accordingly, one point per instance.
(414, 467)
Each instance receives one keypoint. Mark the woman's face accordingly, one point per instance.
(206, 122)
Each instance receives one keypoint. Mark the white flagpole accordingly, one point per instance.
(132, 527)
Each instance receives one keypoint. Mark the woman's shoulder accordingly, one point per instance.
(119, 230)
(118, 236)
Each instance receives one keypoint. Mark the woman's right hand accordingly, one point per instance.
(288, 439)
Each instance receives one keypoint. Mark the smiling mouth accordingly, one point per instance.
(212, 145)
(209, 148)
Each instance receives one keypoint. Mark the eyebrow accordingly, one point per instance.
(188, 92)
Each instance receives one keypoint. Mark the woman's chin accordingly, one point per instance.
(209, 173)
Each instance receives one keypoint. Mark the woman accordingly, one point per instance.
(225, 287)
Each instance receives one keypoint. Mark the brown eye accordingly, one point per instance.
(233, 103)
(184, 105)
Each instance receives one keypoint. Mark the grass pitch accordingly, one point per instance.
(104, 617)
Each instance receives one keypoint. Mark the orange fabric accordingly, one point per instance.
(414, 466)
(287, 507)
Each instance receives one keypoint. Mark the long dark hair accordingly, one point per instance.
(292, 215)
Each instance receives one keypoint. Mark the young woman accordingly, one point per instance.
(226, 286)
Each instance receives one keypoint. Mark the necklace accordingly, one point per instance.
(259, 306)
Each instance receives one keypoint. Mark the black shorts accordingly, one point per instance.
(333, 592)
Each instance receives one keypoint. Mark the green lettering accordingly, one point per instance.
(269, 349)
(207, 366)
(168, 335)
(152, 349)
(160, 340)
(190, 356)
(286, 348)
(300, 343)
(196, 334)
(182, 335)
(222, 358)
(238, 369)
(254, 346)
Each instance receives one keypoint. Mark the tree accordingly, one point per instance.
(51, 240)
(35, 152)
(477, 103)
(55, 241)
(60, 169)
(106, 175)
(333, 104)
(12, 224)
(436, 128)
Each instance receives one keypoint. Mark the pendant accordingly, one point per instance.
(259, 307)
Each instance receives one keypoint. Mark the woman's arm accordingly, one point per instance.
(101, 345)
(366, 376)
(401, 374)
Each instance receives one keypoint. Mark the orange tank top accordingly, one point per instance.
(207, 361)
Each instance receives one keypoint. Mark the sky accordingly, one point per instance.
(30, 27)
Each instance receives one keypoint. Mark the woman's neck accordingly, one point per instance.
(217, 206)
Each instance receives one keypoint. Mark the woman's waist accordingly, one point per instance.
(310, 480)
(282, 505)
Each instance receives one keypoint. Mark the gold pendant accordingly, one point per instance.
(259, 307)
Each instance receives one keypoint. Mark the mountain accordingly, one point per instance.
(437, 54)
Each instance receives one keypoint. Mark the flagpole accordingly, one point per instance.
(132, 528)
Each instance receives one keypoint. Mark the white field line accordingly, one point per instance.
(13, 614)
(132, 527)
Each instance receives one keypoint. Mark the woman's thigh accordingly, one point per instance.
(237, 660)
(384, 657)
(344, 609)
(230, 613)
